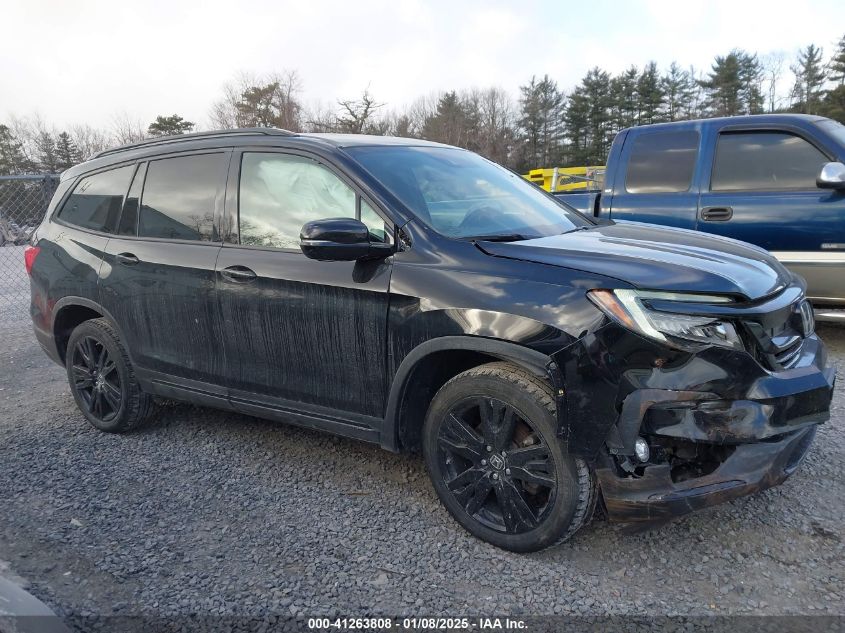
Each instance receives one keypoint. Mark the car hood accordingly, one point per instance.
(656, 258)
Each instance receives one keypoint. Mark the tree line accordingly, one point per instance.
(541, 126)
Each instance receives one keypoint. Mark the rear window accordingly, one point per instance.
(179, 197)
(765, 161)
(662, 162)
(96, 200)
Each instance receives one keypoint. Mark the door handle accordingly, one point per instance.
(717, 214)
(238, 274)
(127, 259)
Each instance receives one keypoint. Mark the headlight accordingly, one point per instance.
(682, 331)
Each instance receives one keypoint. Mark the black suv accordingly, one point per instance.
(418, 296)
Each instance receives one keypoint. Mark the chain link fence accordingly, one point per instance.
(23, 202)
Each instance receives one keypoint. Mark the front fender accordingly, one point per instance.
(532, 360)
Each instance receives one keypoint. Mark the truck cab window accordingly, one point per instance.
(662, 162)
(765, 161)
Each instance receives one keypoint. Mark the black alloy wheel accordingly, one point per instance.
(102, 379)
(496, 465)
(96, 379)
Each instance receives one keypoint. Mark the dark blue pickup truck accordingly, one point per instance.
(777, 181)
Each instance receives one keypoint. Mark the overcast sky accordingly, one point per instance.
(87, 61)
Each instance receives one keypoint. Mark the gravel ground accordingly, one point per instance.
(213, 513)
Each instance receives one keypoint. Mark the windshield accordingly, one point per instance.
(835, 129)
(460, 194)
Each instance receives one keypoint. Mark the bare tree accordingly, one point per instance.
(496, 123)
(358, 116)
(772, 64)
(89, 140)
(126, 129)
(420, 111)
(321, 118)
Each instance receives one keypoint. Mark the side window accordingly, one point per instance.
(765, 161)
(662, 162)
(279, 193)
(179, 195)
(378, 229)
(129, 218)
(96, 200)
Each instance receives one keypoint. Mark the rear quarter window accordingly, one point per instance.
(662, 162)
(96, 200)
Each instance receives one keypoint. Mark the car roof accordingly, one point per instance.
(752, 119)
(238, 137)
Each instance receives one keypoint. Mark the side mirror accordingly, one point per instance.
(340, 240)
(832, 176)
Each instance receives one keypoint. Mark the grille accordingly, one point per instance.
(778, 345)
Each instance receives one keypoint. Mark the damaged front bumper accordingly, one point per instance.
(656, 494)
(718, 423)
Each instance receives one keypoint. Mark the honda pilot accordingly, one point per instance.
(422, 298)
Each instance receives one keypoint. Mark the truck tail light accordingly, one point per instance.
(29, 255)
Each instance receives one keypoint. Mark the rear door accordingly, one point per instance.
(655, 178)
(157, 277)
(299, 331)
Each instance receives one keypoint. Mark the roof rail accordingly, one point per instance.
(163, 140)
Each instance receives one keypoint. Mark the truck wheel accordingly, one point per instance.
(497, 464)
(102, 380)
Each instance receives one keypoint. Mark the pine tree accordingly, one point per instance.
(12, 159)
(750, 76)
(541, 121)
(624, 98)
(651, 95)
(724, 85)
(577, 128)
(449, 123)
(675, 85)
(592, 115)
(67, 153)
(833, 105)
(836, 67)
(46, 145)
(169, 126)
(809, 80)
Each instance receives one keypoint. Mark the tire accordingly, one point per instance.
(493, 453)
(102, 379)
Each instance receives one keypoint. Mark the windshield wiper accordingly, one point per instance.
(577, 228)
(498, 237)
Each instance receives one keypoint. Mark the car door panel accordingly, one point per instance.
(165, 304)
(299, 331)
(304, 330)
(802, 225)
(159, 286)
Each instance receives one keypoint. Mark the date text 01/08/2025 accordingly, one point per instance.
(415, 624)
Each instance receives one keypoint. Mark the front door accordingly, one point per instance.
(762, 190)
(300, 333)
(157, 278)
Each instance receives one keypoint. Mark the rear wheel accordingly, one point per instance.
(102, 381)
(497, 464)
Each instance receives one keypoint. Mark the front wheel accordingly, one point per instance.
(497, 464)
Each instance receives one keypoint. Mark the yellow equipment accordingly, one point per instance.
(568, 178)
